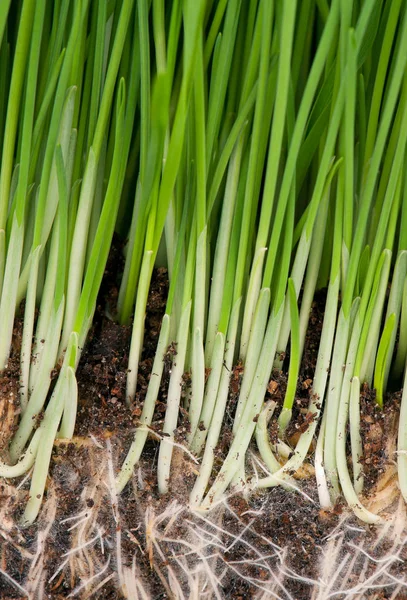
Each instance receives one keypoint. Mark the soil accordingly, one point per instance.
(247, 541)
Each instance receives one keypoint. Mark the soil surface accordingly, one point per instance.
(271, 543)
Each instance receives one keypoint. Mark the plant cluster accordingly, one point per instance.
(257, 149)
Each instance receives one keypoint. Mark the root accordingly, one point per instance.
(89, 542)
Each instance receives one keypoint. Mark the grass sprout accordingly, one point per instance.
(257, 152)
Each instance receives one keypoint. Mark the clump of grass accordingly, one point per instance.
(257, 149)
(312, 196)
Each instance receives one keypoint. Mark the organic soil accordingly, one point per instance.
(271, 532)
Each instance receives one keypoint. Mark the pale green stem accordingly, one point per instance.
(247, 424)
(208, 458)
(198, 434)
(173, 401)
(138, 326)
(146, 417)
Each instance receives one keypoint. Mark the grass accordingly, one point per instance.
(257, 151)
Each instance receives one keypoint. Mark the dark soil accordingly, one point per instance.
(271, 521)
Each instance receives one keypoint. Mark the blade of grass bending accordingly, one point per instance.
(262, 440)
(26, 462)
(263, 444)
